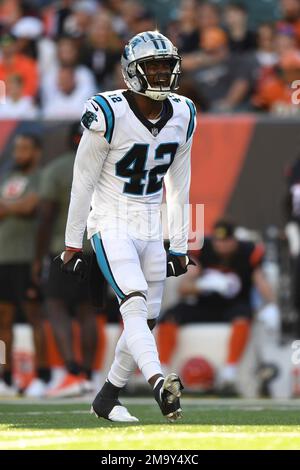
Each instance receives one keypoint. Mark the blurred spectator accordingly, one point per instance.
(236, 24)
(292, 231)
(74, 18)
(18, 203)
(10, 12)
(266, 55)
(186, 30)
(209, 16)
(219, 80)
(32, 41)
(274, 93)
(130, 10)
(57, 17)
(272, 87)
(67, 56)
(143, 21)
(13, 63)
(66, 101)
(28, 31)
(104, 50)
(285, 39)
(219, 290)
(115, 9)
(16, 105)
(64, 296)
(291, 16)
(89, 35)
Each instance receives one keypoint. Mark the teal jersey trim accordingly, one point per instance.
(104, 265)
(108, 115)
(191, 125)
(177, 254)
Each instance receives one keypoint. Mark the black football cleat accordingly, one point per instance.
(167, 394)
(111, 409)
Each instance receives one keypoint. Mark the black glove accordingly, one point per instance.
(76, 266)
(174, 266)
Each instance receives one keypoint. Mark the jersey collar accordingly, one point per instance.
(153, 128)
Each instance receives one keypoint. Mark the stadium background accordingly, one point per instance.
(239, 157)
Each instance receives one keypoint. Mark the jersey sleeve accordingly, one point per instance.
(192, 121)
(90, 156)
(177, 183)
(98, 116)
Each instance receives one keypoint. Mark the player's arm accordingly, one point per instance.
(270, 313)
(177, 183)
(24, 207)
(258, 277)
(90, 156)
(263, 286)
(91, 153)
(47, 214)
(188, 285)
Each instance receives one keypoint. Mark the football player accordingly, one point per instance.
(135, 139)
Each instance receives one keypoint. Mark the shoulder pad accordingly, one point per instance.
(98, 116)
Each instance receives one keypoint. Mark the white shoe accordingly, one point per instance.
(88, 386)
(57, 375)
(7, 390)
(70, 386)
(119, 414)
(36, 389)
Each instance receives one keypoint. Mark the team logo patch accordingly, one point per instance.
(14, 187)
(88, 118)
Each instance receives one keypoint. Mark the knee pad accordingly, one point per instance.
(134, 304)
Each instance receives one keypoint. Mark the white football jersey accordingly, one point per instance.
(132, 157)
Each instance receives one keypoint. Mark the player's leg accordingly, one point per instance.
(167, 334)
(89, 301)
(33, 312)
(153, 264)
(239, 315)
(167, 390)
(59, 293)
(122, 367)
(8, 299)
(119, 261)
(60, 320)
(106, 403)
(7, 313)
(86, 317)
(30, 301)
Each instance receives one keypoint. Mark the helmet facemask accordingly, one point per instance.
(158, 84)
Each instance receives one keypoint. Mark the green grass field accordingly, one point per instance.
(207, 424)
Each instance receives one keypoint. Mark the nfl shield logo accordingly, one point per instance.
(154, 131)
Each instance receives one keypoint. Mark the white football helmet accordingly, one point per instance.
(145, 47)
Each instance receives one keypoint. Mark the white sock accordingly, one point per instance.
(139, 339)
(123, 365)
